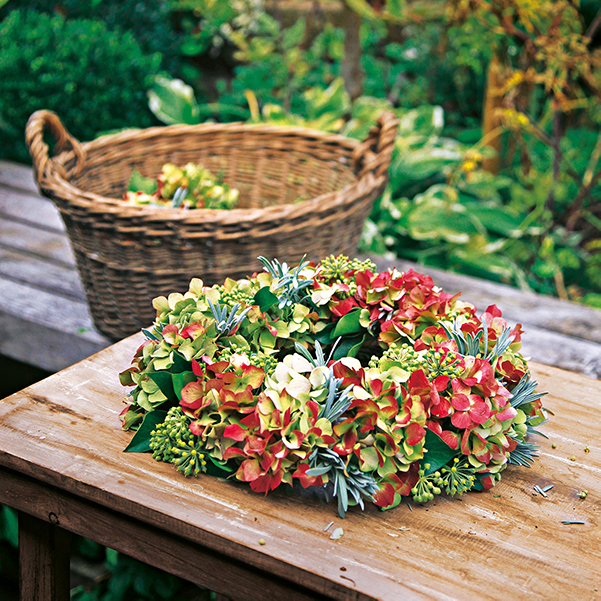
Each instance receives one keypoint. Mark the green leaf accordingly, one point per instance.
(265, 298)
(139, 183)
(172, 101)
(349, 347)
(325, 335)
(293, 36)
(216, 468)
(433, 217)
(500, 220)
(140, 442)
(349, 324)
(180, 364)
(180, 380)
(439, 452)
(164, 381)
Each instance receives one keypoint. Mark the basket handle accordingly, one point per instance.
(374, 153)
(43, 164)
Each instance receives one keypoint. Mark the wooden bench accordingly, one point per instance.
(62, 467)
(44, 319)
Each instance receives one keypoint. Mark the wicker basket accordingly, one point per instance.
(128, 254)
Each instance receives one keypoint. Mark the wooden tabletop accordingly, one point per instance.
(507, 543)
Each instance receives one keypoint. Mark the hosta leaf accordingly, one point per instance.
(140, 442)
(500, 220)
(172, 101)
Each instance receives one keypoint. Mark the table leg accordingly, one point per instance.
(43, 560)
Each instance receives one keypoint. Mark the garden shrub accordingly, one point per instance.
(95, 78)
(150, 21)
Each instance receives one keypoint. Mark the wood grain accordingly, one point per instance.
(43, 560)
(47, 514)
(506, 543)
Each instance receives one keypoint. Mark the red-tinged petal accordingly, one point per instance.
(450, 438)
(376, 387)
(193, 331)
(434, 426)
(313, 408)
(414, 434)
(197, 369)
(483, 457)
(306, 481)
(479, 413)
(261, 484)
(418, 380)
(441, 383)
(508, 413)
(267, 461)
(193, 395)
(251, 421)
(340, 309)
(170, 333)
(235, 432)
(487, 482)
(254, 445)
(251, 470)
(385, 496)
(407, 480)
(196, 428)
(232, 452)
(465, 442)
(493, 310)
(460, 402)
(461, 420)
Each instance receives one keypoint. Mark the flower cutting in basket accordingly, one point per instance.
(189, 187)
(371, 386)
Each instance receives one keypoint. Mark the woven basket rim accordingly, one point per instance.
(100, 204)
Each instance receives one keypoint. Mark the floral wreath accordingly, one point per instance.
(371, 386)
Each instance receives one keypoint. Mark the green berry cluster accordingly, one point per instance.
(232, 349)
(336, 268)
(427, 486)
(173, 442)
(236, 295)
(404, 354)
(267, 363)
(439, 363)
(458, 478)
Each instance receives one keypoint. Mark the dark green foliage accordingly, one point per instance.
(149, 21)
(96, 79)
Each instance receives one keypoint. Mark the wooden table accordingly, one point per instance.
(62, 467)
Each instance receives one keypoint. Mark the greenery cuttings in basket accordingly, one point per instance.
(374, 386)
(189, 187)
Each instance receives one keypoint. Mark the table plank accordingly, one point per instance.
(57, 330)
(18, 176)
(506, 543)
(30, 208)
